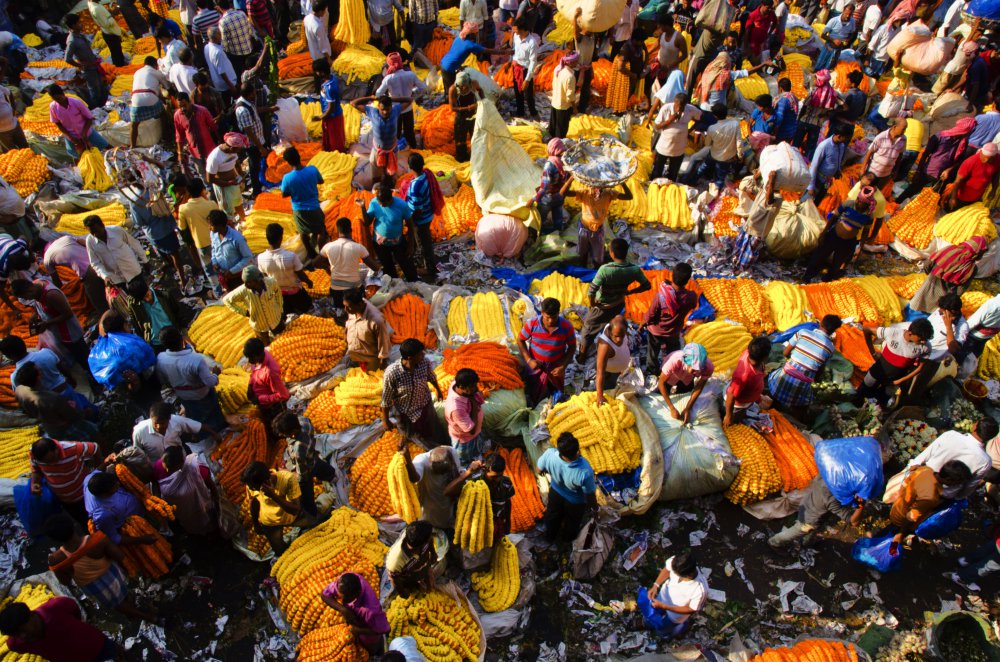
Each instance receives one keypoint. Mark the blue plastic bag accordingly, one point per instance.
(851, 467)
(115, 353)
(943, 522)
(34, 510)
(875, 553)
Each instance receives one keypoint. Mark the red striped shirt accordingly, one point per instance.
(65, 475)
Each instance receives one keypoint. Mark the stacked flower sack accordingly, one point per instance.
(913, 224)
(567, 290)
(369, 475)
(788, 304)
(724, 342)
(667, 205)
(499, 586)
(474, 517)
(7, 399)
(759, 475)
(14, 446)
(402, 491)
(113, 214)
(249, 445)
(152, 560)
(741, 300)
(407, 315)
(309, 346)
(809, 650)
(232, 390)
(793, 454)
(526, 505)
(445, 629)
(497, 368)
(221, 334)
(486, 315)
(607, 434)
(966, 223)
(24, 170)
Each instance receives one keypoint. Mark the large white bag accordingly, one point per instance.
(503, 175)
(290, 123)
(796, 230)
(598, 15)
(908, 37)
(790, 166)
(499, 235)
(929, 57)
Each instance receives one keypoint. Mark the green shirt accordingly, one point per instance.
(612, 282)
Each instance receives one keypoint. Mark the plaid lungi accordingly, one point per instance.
(142, 113)
(788, 390)
(746, 250)
(110, 588)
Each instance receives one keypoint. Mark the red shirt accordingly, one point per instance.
(747, 384)
(670, 308)
(196, 132)
(261, 16)
(65, 475)
(758, 27)
(979, 174)
(66, 638)
(266, 381)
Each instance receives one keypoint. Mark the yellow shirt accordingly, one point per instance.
(103, 18)
(916, 135)
(287, 487)
(564, 89)
(193, 216)
(879, 200)
(264, 309)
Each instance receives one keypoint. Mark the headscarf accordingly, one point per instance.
(556, 148)
(957, 264)
(989, 150)
(469, 27)
(963, 129)
(716, 77)
(866, 197)
(393, 63)
(569, 59)
(462, 78)
(694, 356)
(236, 140)
(823, 96)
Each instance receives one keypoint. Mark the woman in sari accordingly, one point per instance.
(814, 111)
(951, 270)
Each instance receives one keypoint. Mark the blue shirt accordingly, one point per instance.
(109, 514)
(330, 93)
(987, 128)
(385, 132)
(418, 199)
(47, 362)
(837, 29)
(230, 253)
(389, 220)
(157, 227)
(303, 187)
(158, 318)
(173, 28)
(460, 50)
(785, 118)
(761, 123)
(673, 86)
(811, 348)
(573, 481)
(826, 161)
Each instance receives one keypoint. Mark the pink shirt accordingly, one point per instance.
(458, 414)
(747, 384)
(67, 252)
(266, 381)
(678, 372)
(72, 118)
(366, 607)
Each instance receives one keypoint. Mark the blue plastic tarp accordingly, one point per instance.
(522, 281)
(786, 335)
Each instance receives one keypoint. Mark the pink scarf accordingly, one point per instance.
(824, 96)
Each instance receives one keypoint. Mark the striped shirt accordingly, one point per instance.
(65, 475)
(405, 390)
(885, 152)
(418, 198)
(237, 35)
(264, 309)
(205, 20)
(260, 15)
(899, 352)
(423, 11)
(549, 346)
(8, 248)
(811, 348)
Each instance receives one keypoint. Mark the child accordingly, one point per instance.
(665, 319)
(463, 410)
(746, 388)
(903, 351)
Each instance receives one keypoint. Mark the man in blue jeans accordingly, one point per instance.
(574, 490)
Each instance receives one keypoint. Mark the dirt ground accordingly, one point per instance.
(211, 580)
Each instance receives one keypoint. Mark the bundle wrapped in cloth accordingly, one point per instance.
(600, 162)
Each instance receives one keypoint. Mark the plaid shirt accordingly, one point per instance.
(552, 181)
(248, 119)
(885, 152)
(423, 11)
(237, 34)
(406, 391)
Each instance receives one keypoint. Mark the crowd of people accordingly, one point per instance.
(676, 65)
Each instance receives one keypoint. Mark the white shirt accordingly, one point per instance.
(345, 257)
(408, 647)
(526, 53)
(171, 55)
(474, 11)
(939, 341)
(219, 65)
(119, 258)
(67, 251)
(182, 77)
(955, 445)
(281, 265)
(146, 85)
(623, 28)
(186, 372)
(879, 43)
(873, 15)
(674, 139)
(11, 201)
(952, 18)
(423, 461)
(722, 138)
(317, 36)
(564, 89)
(987, 316)
(402, 84)
(154, 443)
(219, 161)
(678, 592)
